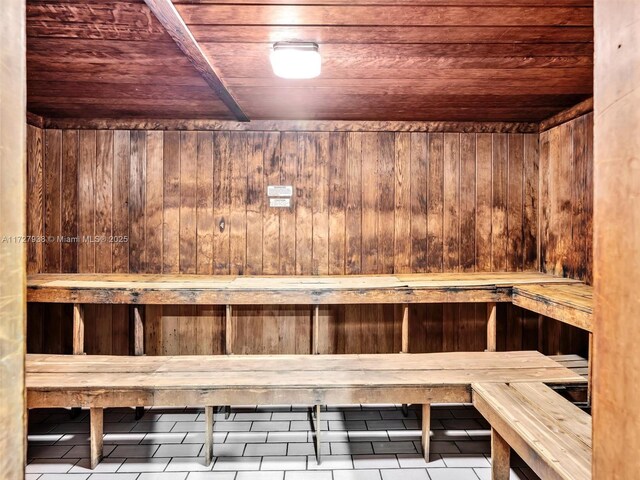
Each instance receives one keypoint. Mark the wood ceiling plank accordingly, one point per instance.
(169, 17)
(381, 34)
(514, 60)
(349, 52)
(207, 14)
(457, 3)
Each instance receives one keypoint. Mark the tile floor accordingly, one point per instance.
(373, 442)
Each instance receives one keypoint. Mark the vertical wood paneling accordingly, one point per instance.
(69, 201)
(515, 203)
(418, 189)
(171, 203)
(195, 202)
(221, 202)
(354, 204)
(154, 201)
(320, 207)
(337, 189)
(86, 200)
(402, 230)
(370, 150)
(239, 146)
(500, 162)
(451, 210)
(137, 190)
(307, 148)
(121, 199)
(385, 202)
(484, 201)
(270, 216)
(35, 198)
(188, 200)
(52, 198)
(289, 153)
(204, 204)
(254, 204)
(467, 201)
(435, 203)
(531, 202)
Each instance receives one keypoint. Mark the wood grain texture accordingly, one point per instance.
(166, 13)
(552, 435)
(616, 375)
(566, 203)
(219, 224)
(13, 225)
(522, 61)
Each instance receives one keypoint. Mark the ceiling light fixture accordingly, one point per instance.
(295, 60)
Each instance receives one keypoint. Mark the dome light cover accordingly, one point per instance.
(295, 60)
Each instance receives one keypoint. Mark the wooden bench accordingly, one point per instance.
(570, 303)
(229, 290)
(99, 382)
(552, 435)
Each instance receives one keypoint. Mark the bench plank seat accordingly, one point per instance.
(572, 304)
(552, 435)
(59, 380)
(98, 381)
(274, 290)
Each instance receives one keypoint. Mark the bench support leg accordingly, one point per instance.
(405, 344)
(315, 330)
(208, 439)
(228, 330)
(500, 457)
(590, 370)
(137, 329)
(96, 422)
(426, 430)
(78, 329)
(318, 454)
(491, 327)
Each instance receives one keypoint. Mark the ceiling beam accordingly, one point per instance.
(288, 125)
(567, 115)
(166, 13)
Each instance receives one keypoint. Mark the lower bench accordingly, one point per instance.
(552, 435)
(98, 382)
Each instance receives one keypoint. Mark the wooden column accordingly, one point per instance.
(208, 435)
(137, 324)
(228, 343)
(491, 327)
(13, 264)
(315, 332)
(228, 331)
(405, 328)
(426, 430)
(96, 438)
(616, 226)
(318, 444)
(78, 329)
(500, 457)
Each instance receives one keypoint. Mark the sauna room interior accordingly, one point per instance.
(319, 239)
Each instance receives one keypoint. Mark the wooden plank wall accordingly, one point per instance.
(616, 367)
(13, 396)
(364, 202)
(566, 215)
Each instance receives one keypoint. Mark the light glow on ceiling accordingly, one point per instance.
(296, 60)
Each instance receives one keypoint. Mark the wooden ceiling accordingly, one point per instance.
(451, 60)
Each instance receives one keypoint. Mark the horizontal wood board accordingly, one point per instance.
(428, 60)
(51, 379)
